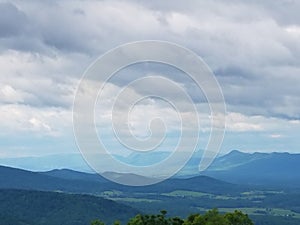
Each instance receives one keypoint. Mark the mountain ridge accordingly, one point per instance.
(94, 184)
(276, 168)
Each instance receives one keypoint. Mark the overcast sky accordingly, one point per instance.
(252, 47)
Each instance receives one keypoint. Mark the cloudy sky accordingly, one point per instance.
(252, 47)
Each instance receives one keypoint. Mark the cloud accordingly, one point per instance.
(275, 136)
(21, 120)
(252, 47)
(12, 20)
(37, 80)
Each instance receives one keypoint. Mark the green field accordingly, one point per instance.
(183, 193)
(264, 211)
(259, 204)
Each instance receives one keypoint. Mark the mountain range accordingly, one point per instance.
(78, 182)
(275, 169)
(265, 185)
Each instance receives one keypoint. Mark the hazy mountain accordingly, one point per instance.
(74, 175)
(235, 167)
(257, 168)
(22, 179)
(78, 182)
(49, 162)
(234, 159)
(77, 163)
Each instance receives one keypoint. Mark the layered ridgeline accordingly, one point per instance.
(65, 180)
(181, 196)
(236, 167)
(273, 169)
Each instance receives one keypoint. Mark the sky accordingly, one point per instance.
(252, 47)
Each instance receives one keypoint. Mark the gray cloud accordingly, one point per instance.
(248, 45)
(253, 47)
(12, 20)
(285, 12)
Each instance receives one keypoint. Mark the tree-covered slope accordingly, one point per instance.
(21, 207)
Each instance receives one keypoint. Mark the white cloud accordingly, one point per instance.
(293, 30)
(275, 136)
(9, 95)
(21, 119)
(239, 123)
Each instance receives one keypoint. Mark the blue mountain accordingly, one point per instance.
(277, 169)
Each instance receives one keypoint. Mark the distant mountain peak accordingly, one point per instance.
(235, 152)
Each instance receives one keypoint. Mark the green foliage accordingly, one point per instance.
(238, 218)
(159, 219)
(211, 217)
(117, 222)
(97, 222)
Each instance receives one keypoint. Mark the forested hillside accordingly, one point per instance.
(21, 207)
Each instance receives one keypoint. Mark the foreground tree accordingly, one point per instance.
(238, 218)
(211, 217)
(97, 222)
(159, 219)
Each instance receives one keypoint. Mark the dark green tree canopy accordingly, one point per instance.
(211, 217)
